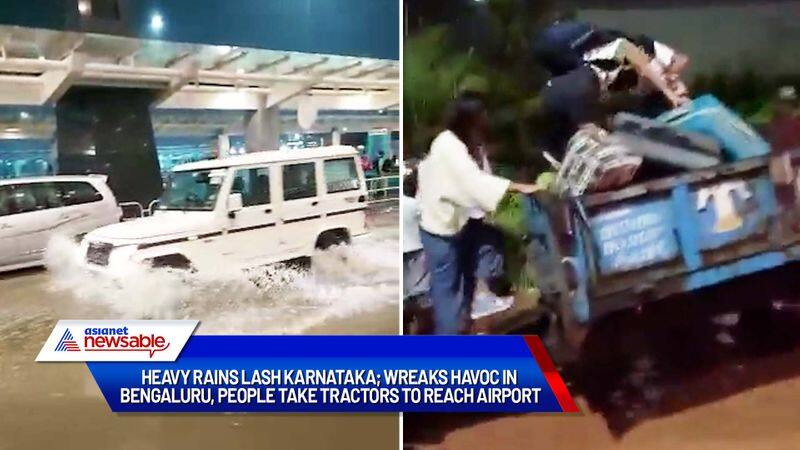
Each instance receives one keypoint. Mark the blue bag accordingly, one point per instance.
(709, 116)
(557, 47)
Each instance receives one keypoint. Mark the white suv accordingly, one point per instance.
(32, 210)
(242, 211)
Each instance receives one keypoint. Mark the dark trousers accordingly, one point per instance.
(486, 243)
(455, 263)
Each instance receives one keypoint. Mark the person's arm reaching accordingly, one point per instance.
(641, 63)
(523, 188)
(622, 50)
(679, 64)
(478, 187)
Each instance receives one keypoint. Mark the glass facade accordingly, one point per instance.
(37, 157)
(26, 158)
(174, 150)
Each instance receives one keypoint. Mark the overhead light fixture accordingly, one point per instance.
(24, 115)
(156, 22)
(12, 133)
(84, 7)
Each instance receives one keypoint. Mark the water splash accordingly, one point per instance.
(341, 282)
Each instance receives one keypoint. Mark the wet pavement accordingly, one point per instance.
(716, 369)
(352, 290)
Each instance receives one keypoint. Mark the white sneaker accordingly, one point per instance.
(486, 304)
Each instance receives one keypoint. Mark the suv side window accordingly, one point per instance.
(77, 193)
(46, 195)
(341, 175)
(6, 203)
(253, 184)
(23, 198)
(299, 181)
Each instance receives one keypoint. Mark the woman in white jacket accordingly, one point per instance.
(451, 185)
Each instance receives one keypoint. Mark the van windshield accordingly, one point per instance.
(192, 190)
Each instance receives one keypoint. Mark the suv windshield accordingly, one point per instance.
(192, 190)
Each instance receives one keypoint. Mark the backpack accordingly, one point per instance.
(559, 46)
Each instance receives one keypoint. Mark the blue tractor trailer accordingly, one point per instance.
(600, 252)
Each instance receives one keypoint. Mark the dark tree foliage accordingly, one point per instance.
(750, 93)
(480, 46)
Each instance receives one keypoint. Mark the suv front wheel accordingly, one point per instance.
(332, 237)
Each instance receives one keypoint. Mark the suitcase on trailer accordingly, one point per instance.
(709, 116)
(593, 164)
(662, 153)
(654, 130)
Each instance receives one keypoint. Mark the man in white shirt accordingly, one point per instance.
(451, 185)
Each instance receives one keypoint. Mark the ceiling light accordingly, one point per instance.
(84, 7)
(24, 115)
(156, 22)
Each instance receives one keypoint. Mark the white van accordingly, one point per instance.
(32, 210)
(242, 212)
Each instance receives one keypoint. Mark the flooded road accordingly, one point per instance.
(348, 290)
(718, 369)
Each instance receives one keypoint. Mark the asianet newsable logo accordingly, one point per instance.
(117, 340)
(67, 343)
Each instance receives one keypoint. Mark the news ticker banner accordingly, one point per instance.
(159, 366)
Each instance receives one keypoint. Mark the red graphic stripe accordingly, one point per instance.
(551, 374)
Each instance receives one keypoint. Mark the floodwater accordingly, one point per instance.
(347, 290)
(718, 369)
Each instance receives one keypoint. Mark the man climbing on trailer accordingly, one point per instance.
(597, 74)
(567, 45)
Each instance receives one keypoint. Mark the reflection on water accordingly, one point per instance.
(666, 359)
(346, 290)
(692, 349)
